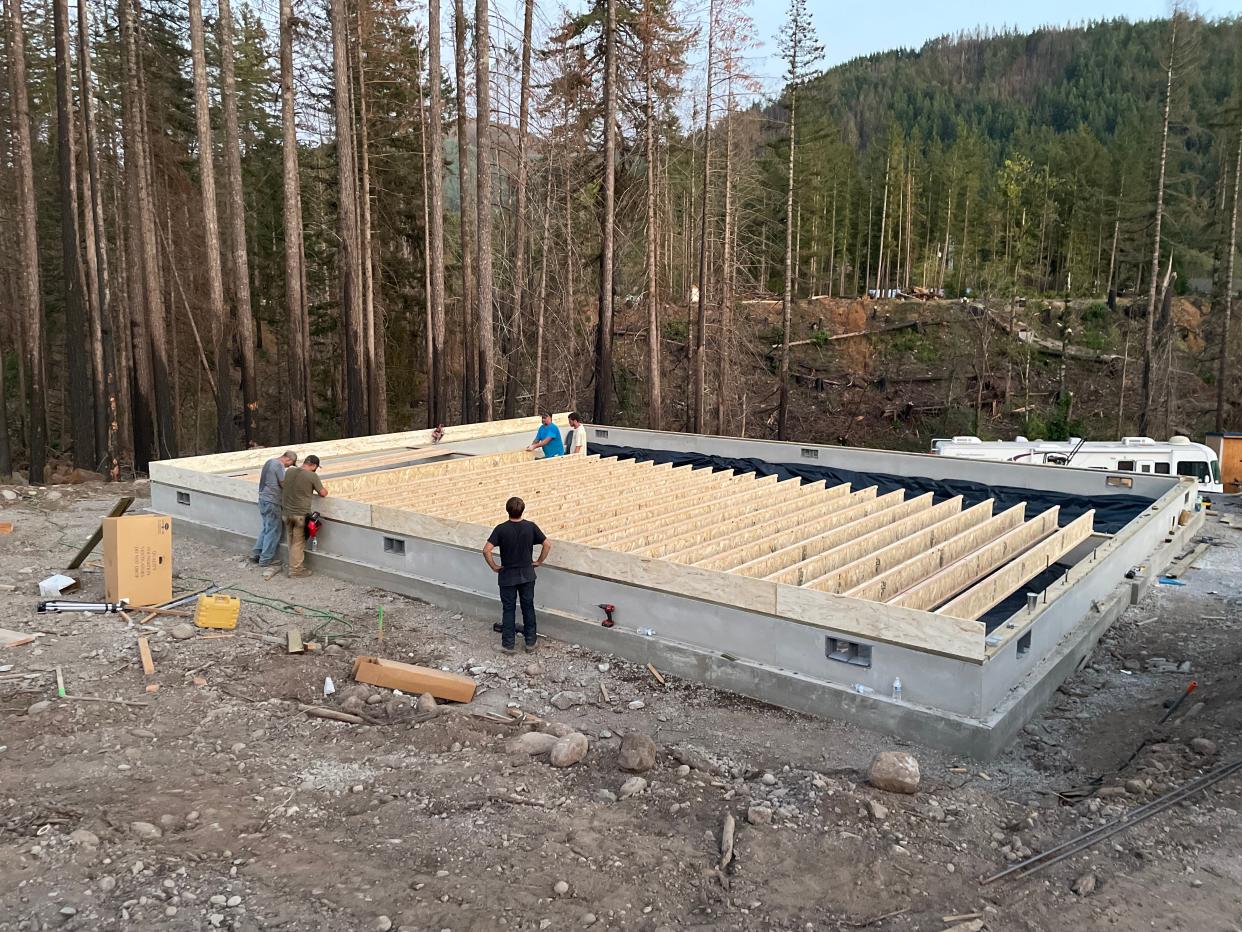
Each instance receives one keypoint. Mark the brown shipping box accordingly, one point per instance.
(414, 680)
(138, 559)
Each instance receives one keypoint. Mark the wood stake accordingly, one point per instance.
(60, 683)
(118, 509)
(656, 673)
(144, 651)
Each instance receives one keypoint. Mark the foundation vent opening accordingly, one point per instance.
(848, 651)
(394, 545)
(809, 453)
(1024, 644)
(600, 433)
(183, 498)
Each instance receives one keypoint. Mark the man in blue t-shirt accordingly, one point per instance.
(548, 438)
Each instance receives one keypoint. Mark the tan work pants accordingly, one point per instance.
(296, 528)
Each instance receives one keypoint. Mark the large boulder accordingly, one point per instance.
(638, 753)
(895, 772)
(569, 750)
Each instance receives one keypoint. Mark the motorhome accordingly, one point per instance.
(1177, 456)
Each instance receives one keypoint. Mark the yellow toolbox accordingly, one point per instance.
(217, 611)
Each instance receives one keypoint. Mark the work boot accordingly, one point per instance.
(508, 651)
(252, 558)
(532, 646)
(299, 574)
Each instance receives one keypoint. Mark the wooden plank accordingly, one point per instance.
(883, 534)
(503, 481)
(449, 468)
(767, 555)
(873, 564)
(1184, 563)
(551, 503)
(293, 641)
(696, 524)
(741, 514)
(448, 483)
(772, 520)
(144, 652)
(643, 526)
(244, 459)
(963, 573)
(118, 509)
(976, 600)
(9, 638)
(887, 586)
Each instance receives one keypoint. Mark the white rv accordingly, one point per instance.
(1178, 456)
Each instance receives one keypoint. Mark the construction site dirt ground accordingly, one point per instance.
(221, 804)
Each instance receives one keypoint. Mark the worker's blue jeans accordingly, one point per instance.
(268, 541)
(509, 597)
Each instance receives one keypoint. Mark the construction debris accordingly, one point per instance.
(144, 652)
(413, 679)
(15, 638)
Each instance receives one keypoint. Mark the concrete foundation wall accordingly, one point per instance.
(750, 636)
(763, 639)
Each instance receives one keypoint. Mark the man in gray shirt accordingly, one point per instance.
(271, 482)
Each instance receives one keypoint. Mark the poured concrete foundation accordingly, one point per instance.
(811, 596)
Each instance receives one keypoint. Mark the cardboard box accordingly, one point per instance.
(412, 679)
(138, 559)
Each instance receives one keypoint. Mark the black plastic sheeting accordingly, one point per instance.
(1112, 512)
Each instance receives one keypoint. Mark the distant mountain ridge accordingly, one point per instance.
(1004, 86)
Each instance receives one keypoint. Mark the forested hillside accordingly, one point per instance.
(270, 223)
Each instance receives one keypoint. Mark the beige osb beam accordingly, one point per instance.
(872, 563)
(978, 599)
(889, 585)
(773, 520)
(767, 555)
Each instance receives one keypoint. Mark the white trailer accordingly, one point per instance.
(1178, 456)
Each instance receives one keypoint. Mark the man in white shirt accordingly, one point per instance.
(575, 440)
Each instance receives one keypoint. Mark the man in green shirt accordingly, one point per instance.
(301, 486)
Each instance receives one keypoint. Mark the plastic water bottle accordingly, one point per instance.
(863, 690)
(897, 689)
(647, 632)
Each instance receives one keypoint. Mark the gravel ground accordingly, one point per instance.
(218, 803)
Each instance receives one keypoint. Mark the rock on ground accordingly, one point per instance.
(146, 831)
(569, 750)
(759, 815)
(1085, 884)
(567, 699)
(638, 753)
(632, 787)
(1204, 746)
(532, 743)
(426, 704)
(895, 772)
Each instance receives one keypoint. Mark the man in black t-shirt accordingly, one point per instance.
(516, 538)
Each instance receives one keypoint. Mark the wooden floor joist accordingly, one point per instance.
(773, 520)
(904, 550)
(976, 600)
(888, 585)
(873, 564)
(848, 544)
(765, 557)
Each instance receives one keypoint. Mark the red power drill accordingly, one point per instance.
(608, 610)
(313, 523)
